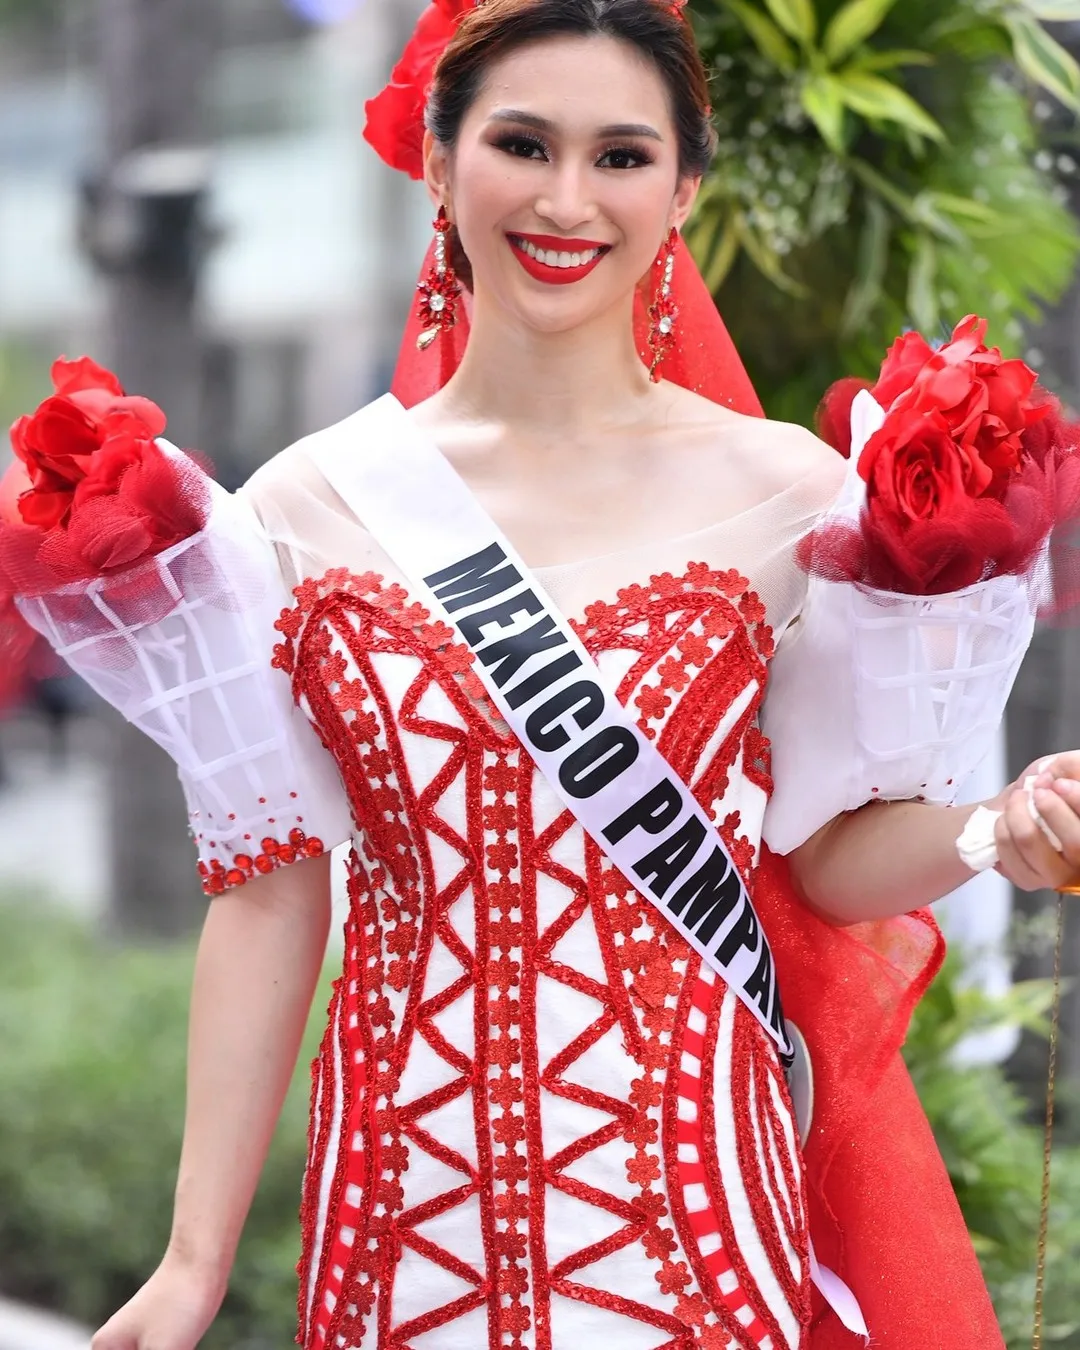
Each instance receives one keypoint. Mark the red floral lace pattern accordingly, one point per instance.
(467, 909)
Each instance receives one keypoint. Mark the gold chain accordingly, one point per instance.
(1048, 1135)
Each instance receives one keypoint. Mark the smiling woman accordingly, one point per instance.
(601, 1069)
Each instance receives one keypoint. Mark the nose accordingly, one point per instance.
(566, 200)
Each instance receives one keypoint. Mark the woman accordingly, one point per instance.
(538, 1117)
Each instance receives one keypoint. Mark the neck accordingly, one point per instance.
(543, 384)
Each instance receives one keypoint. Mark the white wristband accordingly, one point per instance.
(977, 845)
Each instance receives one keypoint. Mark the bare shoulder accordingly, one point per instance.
(772, 455)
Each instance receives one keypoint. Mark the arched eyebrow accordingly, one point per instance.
(549, 128)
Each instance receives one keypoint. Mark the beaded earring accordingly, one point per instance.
(663, 311)
(439, 290)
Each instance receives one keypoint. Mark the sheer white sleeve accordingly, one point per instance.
(876, 696)
(182, 646)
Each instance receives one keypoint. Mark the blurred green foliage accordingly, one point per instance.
(994, 1157)
(882, 165)
(91, 1104)
(31, 12)
(91, 1111)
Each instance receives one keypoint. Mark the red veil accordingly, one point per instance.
(883, 1212)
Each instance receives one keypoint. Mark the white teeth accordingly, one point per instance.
(554, 258)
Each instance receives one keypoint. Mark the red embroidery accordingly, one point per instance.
(473, 899)
(217, 878)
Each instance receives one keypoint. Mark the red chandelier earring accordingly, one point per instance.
(440, 289)
(663, 311)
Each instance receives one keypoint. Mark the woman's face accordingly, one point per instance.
(565, 180)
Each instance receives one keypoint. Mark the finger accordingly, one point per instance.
(1040, 855)
(1021, 844)
(107, 1339)
(1064, 765)
(1030, 840)
(1060, 808)
(1011, 862)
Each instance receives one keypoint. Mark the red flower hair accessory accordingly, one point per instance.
(395, 118)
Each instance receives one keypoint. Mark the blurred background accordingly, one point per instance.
(185, 194)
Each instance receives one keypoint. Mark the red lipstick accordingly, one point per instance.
(549, 246)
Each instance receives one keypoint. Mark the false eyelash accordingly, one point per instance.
(511, 139)
(641, 157)
(508, 141)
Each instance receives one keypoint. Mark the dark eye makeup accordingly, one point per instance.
(527, 145)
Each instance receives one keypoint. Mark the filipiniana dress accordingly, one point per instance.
(537, 1120)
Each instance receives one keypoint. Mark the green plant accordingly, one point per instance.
(91, 1107)
(995, 1159)
(882, 165)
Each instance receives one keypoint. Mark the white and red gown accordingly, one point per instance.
(537, 1120)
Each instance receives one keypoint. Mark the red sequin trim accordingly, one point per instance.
(217, 878)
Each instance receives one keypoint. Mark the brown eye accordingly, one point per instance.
(522, 147)
(622, 157)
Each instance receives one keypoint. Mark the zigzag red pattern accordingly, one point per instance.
(474, 900)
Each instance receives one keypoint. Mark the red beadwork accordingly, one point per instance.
(440, 291)
(663, 312)
(697, 644)
(217, 878)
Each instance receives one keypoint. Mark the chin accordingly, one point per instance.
(553, 314)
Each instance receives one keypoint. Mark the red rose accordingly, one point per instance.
(988, 402)
(914, 468)
(56, 442)
(395, 118)
(907, 357)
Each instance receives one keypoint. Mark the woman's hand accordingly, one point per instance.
(172, 1311)
(1026, 856)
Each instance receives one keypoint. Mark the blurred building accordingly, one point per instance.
(302, 297)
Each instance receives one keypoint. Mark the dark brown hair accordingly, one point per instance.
(498, 27)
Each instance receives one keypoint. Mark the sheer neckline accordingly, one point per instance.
(690, 538)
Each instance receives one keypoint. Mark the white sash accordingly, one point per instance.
(547, 687)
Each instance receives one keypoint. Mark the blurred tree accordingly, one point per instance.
(142, 227)
(31, 12)
(882, 165)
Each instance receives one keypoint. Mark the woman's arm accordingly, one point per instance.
(258, 964)
(886, 859)
(890, 858)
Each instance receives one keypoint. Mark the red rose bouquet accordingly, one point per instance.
(92, 492)
(967, 464)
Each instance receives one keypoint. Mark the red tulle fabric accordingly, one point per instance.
(704, 358)
(157, 502)
(91, 495)
(882, 1210)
